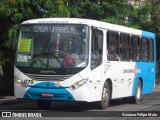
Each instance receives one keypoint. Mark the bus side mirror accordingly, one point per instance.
(14, 40)
(15, 36)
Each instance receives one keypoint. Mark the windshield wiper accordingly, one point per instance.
(34, 61)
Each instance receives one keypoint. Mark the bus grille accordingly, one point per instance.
(55, 78)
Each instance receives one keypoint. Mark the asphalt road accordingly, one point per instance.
(150, 106)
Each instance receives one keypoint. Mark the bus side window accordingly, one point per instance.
(112, 46)
(135, 48)
(97, 48)
(144, 49)
(124, 47)
(151, 50)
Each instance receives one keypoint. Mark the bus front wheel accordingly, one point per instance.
(44, 104)
(103, 104)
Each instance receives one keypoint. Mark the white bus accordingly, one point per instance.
(72, 59)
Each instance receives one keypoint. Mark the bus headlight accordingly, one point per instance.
(21, 83)
(78, 84)
(18, 81)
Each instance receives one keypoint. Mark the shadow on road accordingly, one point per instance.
(82, 106)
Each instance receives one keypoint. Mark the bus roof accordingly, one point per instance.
(99, 24)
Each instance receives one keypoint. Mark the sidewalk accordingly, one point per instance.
(10, 99)
(157, 87)
(5, 100)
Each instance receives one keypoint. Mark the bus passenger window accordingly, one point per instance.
(124, 47)
(144, 49)
(151, 50)
(112, 46)
(135, 48)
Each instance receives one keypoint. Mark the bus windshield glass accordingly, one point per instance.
(44, 46)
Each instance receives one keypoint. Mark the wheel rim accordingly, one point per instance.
(105, 96)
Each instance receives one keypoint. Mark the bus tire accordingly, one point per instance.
(105, 98)
(44, 104)
(138, 93)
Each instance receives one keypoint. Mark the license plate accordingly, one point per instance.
(47, 95)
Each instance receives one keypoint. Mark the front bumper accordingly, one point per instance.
(61, 94)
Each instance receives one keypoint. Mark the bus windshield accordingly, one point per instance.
(44, 46)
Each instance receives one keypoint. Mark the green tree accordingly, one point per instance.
(113, 11)
(144, 16)
(13, 12)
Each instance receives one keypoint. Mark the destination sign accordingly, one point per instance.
(54, 29)
(53, 22)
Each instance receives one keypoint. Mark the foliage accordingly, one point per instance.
(144, 16)
(13, 12)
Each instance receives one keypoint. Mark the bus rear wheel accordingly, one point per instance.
(44, 104)
(103, 104)
(138, 94)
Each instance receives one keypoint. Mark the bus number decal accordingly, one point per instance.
(28, 82)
